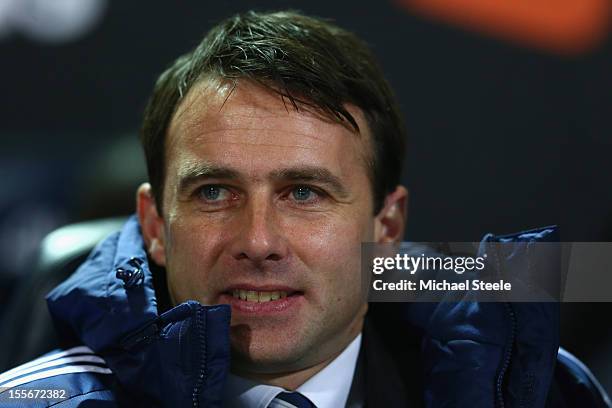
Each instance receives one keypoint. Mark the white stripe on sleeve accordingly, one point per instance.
(49, 357)
(56, 362)
(55, 372)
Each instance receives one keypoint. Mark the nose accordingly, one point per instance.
(260, 237)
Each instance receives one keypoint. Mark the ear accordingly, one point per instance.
(151, 224)
(390, 222)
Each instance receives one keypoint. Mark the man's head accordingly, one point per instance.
(273, 149)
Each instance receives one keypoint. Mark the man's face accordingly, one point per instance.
(265, 208)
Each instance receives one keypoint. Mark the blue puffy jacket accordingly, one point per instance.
(120, 352)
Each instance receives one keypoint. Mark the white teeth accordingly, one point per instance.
(254, 296)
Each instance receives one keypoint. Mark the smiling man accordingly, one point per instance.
(281, 155)
(264, 208)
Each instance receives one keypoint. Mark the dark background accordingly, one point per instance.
(503, 137)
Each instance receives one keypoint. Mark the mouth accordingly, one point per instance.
(255, 300)
(260, 296)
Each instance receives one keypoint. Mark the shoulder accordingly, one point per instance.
(62, 378)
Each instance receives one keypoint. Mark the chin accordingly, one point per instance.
(266, 353)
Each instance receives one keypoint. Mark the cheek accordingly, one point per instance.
(331, 251)
(323, 235)
(192, 248)
(193, 233)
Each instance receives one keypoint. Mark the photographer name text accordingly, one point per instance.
(442, 285)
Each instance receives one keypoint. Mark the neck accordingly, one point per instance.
(289, 380)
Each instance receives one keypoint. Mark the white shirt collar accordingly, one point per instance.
(329, 388)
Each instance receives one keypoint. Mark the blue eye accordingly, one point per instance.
(302, 193)
(213, 193)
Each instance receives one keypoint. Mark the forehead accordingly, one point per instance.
(248, 124)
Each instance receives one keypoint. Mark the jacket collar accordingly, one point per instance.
(180, 357)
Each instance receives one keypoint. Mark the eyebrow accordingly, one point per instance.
(320, 175)
(194, 174)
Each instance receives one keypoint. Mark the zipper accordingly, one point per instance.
(507, 356)
(142, 335)
(154, 328)
(499, 393)
(201, 330)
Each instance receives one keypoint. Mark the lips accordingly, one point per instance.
(261, 299)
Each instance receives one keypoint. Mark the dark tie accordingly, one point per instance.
(290, 400)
